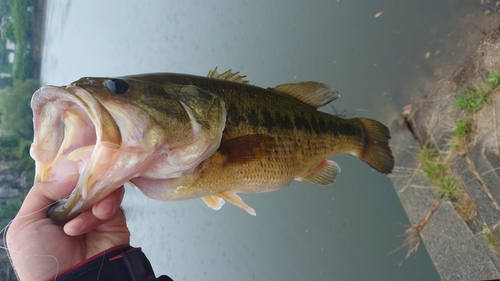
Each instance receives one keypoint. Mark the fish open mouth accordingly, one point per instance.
(69, 123)
(61, 126)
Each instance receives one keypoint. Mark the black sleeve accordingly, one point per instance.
(124, 263)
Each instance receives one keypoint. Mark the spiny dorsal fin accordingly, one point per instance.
(228, 75)
(312, 93)
(323, 174)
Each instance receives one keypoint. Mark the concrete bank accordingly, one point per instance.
(453, 226)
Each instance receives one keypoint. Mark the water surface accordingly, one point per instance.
(340, 232)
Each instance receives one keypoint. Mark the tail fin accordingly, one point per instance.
(376, 151)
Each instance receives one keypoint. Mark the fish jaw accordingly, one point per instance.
(108, 169)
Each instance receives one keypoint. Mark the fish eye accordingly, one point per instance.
(117, 86)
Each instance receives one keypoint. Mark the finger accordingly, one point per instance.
(87, 222)
(83, 223)
(43, 194)
(99, 214)
(106, 208)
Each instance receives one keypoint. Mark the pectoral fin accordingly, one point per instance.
(233, 198)
(247, 148)
(323, 174)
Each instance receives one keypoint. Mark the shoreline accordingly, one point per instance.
(455, 224)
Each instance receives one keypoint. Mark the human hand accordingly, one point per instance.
(40, 249)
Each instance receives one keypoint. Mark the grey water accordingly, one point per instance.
(350, 230)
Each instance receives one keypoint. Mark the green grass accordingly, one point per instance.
(472, 100)
(494, 79)
(435, 170)
(428, 159)
(445, 183)
(491, 238)
(462, 127)
(448, 186)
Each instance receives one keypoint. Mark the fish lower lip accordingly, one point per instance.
(58, 213)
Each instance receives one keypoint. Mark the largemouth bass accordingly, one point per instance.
(178, 136)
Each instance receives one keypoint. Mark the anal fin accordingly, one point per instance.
(233, 198)
(323, 174)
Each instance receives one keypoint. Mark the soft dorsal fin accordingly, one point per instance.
(228, 75)
(312, 93)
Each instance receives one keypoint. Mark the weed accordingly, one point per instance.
(491, 238)
(412, 233)
(433, 169)
(494, 79)
(447, 186)
(472, 100)
(465, 207)
(463, 127)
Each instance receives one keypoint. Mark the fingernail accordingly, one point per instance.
(74, 226)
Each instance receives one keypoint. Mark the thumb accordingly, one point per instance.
(43, 194)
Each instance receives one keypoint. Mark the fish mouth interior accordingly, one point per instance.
(64, 133)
